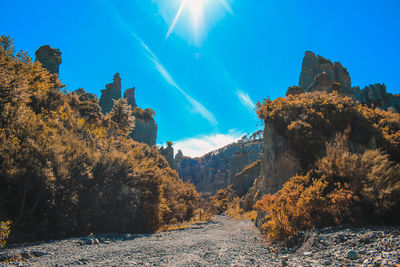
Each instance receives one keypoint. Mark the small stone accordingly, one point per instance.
(327, 262)
(352, 255)
(307, 253)
(367, 261)
(37, 253)
(25, 254)
(362, 252)
(385, 262)
(107, 242)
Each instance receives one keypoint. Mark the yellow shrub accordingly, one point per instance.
(5, 229)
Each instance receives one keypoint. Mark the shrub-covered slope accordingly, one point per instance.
(349, 156)
(67, 169)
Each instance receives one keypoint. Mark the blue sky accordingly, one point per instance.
(203, 74)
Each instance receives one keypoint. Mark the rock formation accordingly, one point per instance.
(111, 93)
(168, 153)
(50, 58)
(278, 164)
(130, 97)
(314, 65)
(145, 130)
(217, 169)
(244, 180)
(376, 95)
(320, 74)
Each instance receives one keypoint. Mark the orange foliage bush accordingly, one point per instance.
(343, 187)
(66, 169)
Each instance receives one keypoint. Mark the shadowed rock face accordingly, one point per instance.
(314, 65)
(244, 180)
(145, 131)
(111, 93)
(50, 58)
(376, 95)
(217, 170)
(168, 153)
(130, 97)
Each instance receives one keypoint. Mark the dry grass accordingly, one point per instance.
(237, 213)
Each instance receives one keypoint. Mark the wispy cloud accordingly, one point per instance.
(227, 6)
(198, 146)
(197, 106)
(245, 100)
(176, 18)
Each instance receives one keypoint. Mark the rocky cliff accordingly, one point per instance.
(314, 65)
(111, 93)
(217, 169)
(278, 161)
(320, 74)
(145, 130)
(50, 58)
(168, 153)
(278, 164)
(244, 180)
(130, 97)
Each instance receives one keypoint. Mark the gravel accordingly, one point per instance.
(222, 242)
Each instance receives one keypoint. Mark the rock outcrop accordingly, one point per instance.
(111, 93)
(49, 57)
(244, 180)
(145, 130)
(217, 170)
(278, 164)
(320, 74)
(314, 65)
(168, 153)
(376, 95)
(130, 97)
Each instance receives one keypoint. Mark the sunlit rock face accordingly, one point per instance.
(111, 93)
(278, 164)
(217, 169)
(49, 57)
(320, 74)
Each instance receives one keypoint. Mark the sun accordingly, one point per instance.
(196, 11)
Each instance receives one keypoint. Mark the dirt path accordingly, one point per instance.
(223, 242)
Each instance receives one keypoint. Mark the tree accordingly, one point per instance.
(121, 114)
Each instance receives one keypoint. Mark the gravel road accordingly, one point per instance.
(222, 242)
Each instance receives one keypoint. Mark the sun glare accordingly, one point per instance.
(196, 12)
(195, 9)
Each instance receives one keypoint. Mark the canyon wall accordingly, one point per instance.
(217, 170)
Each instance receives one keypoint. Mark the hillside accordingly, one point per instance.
(66, 169)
